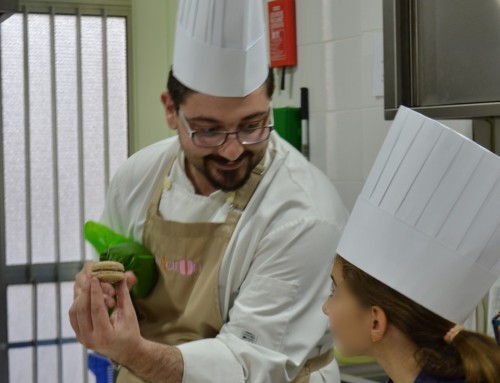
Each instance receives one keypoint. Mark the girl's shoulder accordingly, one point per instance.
(424, 378)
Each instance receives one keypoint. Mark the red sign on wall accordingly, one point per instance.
(282, 39)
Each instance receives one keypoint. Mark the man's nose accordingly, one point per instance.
(232, 148)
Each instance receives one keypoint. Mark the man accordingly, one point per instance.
(240, 224)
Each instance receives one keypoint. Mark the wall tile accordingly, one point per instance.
(324, 20)
(317, 138)
(371, 15)
(309, 19)
(314, 74)
(343, 74)
(374, 131)
(290, 96)
(367, 61)
(344, 145)
(349, 191)
(341, 19)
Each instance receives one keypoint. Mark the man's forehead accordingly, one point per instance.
(206, 108)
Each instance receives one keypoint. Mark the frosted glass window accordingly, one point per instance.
(65, 30)
(47, 364)
(73, 371)
(66, 302)
(93, 119)
(41, 192)
(117, 91)
(47, 311)
(64, 120)
(13, 122)
(19, 313)
(21, 364)
(65, 123)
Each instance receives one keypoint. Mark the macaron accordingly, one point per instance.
(108, 271)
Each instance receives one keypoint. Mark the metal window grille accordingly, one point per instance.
(63, 133)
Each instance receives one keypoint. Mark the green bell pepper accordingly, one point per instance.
(135, 257)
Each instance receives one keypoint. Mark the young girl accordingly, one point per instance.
(411, 343)
(420, 250)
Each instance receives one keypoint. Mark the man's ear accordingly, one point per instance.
(170, 110)
(379, 324)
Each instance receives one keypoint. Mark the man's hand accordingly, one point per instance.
(83, 277)
(115, 336)
(118, 336)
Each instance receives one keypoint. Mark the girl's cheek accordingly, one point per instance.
(333, 314)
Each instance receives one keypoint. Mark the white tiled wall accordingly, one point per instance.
(336, 40)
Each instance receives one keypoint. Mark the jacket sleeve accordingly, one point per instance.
(276, 322)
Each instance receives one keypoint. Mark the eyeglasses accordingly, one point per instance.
(248, 134)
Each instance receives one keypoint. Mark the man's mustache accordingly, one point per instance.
(222, 160)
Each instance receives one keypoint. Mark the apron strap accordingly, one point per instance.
(155, 199)
(243, 195)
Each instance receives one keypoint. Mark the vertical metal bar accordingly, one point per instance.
(81, 174)
(55, 178)
(27, 184)
(79, 90)
(132, 126)
(105, 96)
(4, 352)
(414, 53)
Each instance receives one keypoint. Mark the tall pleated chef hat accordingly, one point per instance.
(221, 46)
(427, 222)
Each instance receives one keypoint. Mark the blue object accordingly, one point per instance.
(496, 327)
(102, 368)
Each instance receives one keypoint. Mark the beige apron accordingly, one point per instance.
(184, 305)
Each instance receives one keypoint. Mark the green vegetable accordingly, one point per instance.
(135, 257)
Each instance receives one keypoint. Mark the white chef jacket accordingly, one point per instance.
(274, 276)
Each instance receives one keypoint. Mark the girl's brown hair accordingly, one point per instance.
(470, 355)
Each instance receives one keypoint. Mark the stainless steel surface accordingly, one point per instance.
(441, 57)
(458, 51)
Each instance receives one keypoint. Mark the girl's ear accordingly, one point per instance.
(170, 110)
(379, 324)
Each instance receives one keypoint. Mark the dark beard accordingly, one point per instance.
(228, 180)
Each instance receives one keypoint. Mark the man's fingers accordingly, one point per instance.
(124, 302)
(82, 308)
(109, 301)
(81, 278)
(131, 279)
(108, 289)
(100, 316)
(73, 319)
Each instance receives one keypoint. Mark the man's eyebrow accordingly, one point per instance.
(256, 115)
(210, 120)
(204, 119)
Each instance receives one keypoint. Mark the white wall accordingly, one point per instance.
(153, 28)
(336, 44)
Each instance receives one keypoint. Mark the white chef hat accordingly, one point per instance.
(221, 46)
(427, 222)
